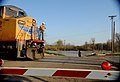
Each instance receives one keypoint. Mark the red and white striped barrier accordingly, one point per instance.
(82, 73)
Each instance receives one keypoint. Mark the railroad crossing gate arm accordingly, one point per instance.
(81, 73)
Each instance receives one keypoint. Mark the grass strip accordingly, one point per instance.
(54, 54)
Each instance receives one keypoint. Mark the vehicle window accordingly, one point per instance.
(10, 12)
(1, 11)
(20, 14)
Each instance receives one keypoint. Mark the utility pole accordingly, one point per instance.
(112, 32)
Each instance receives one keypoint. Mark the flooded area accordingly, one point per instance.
(72, 53)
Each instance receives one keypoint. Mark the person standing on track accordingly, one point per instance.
(41, 29)
(79, 53)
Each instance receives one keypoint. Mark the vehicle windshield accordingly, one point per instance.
(21, 14)
(12, 11)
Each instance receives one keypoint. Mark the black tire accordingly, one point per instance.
(13, 54)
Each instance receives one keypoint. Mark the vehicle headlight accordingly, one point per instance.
(21, 22)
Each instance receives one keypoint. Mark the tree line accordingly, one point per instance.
(91, 45)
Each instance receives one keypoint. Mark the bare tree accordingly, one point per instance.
(86, 45)
(93, 43)
(59, 43)
(108, 45)
(118, 41)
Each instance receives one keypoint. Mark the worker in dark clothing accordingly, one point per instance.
(79, 53)
(41, 29)
(23, 51)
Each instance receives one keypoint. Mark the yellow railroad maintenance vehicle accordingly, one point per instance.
(18, 33)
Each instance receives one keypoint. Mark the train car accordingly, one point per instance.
(18, 32)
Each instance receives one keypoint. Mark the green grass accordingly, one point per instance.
(103, 52)
(54, 54)
(109, 53)
(117, 53)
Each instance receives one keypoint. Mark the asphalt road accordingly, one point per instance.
(92, 62)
